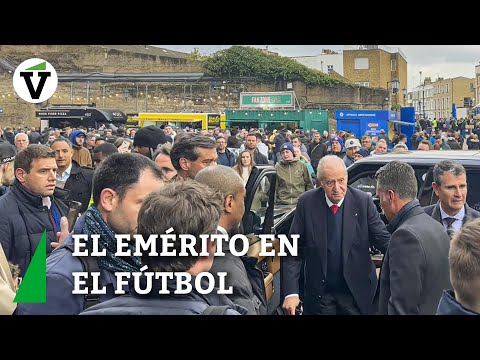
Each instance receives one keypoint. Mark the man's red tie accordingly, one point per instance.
(334, 208)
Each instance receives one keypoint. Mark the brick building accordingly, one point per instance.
(377, 66)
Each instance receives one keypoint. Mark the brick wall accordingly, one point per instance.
(158, 97)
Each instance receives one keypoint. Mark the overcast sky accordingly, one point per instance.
(446, 61)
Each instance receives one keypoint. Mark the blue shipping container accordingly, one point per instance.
(361, 122)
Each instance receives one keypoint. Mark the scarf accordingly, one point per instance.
(94, 224)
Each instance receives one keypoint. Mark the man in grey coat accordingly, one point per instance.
(450, 185)
(415, 268)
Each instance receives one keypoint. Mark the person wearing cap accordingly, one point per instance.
(80, 154)
(337, 147)
(147, 139)
(360, 154)
(351, 146)
(7, 156)
(102, 151)
(293, 178)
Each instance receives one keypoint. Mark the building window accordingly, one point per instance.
(393, 65)
(329, 67)
(363, 83)
(361, 64)
(446, 88)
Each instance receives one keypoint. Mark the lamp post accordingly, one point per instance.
(146, 97)
(136, 102)
(103, 97)
(422, 108)
(395, 86)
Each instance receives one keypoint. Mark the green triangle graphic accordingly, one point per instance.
(33, 288)
(41, 66)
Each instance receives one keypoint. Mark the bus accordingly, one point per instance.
(203, 121)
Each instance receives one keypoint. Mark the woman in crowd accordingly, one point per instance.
(244, 165)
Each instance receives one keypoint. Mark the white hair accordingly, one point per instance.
(16, 136)
(327, 159)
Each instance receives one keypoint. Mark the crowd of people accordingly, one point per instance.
(110, 181)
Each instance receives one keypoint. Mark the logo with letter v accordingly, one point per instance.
(35, 80)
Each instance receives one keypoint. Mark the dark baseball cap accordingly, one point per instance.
(7, 153)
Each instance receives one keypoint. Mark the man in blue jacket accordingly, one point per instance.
(120, 184)
(30, 207)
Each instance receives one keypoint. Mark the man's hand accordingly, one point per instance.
(290, 304)
(62, 234)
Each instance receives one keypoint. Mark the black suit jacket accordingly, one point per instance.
(434, 212)
(415, 269)
(79, 184)
(362, 228)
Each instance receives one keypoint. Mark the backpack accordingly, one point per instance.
(215, 310)
(89, 265)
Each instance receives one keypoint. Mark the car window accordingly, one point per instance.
(473, 195)
(366, 183)
(258, 217)
(426, 196)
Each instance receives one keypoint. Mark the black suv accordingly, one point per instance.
(262, 216)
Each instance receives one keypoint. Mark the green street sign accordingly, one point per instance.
(267, 99)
